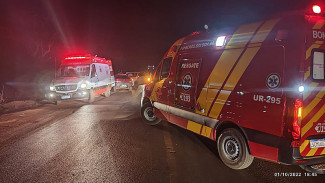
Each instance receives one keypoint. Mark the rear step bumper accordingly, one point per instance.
(319, 169)
(291, 155)
(306, 160)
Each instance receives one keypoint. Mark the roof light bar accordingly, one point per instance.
(71, 58)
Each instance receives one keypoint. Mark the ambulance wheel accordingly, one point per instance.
(91, 96)
(148, 115)
(233, 149)
(108, 92)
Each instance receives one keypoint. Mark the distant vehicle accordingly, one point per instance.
(122, 81)
(143, 78)
(133, 76)
(82, 77)
(257, 89)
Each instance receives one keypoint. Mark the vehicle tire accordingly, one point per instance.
(148, 115)
(233, 149)
(91, 98)
(108, 92)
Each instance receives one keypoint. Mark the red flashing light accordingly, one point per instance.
(195, 33)
(317, 9)
(73, 58)
(297, 116)
(301, 161)
(84, 59)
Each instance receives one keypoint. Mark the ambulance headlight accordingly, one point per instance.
(83, 85)
(301, 88)
(52, 88)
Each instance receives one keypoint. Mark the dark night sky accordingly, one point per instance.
(131, 33)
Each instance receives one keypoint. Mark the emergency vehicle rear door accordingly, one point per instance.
(186, 83)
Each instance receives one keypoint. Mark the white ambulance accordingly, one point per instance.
(82, 77)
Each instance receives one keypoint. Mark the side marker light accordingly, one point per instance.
(221, 41)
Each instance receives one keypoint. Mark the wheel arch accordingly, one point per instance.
(229, 124)
(145, 100)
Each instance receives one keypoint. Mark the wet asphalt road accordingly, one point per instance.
(107, 142)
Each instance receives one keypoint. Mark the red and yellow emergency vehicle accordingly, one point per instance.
(258, 90)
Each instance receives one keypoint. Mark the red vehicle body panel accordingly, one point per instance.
(251, 82)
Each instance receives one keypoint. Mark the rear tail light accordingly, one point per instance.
(297, 117)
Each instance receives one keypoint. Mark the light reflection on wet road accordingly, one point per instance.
(107, 142)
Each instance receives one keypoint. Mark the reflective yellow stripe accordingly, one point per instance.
(317, 44)
(264, 31)
(323, 152)
(314, 119)
(303, 146)
(243, 34)
(212, 93)
(240, 68)
(172, 53)
(194, 127)
(312, 152)
(307, 73)
(311, 87)
(206, 131)
(219, 103)
(218, 76)
(226, 61)
(319, 24)
(313, 103)
(223, 67)
(156, 92)
(202, 100)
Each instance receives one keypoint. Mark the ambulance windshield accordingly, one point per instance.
(74, 71)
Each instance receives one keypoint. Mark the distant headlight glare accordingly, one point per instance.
(83, 85)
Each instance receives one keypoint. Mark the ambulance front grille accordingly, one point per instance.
(65, 87)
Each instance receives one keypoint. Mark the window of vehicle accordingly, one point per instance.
(93, 71)
(318, 65)
(73, 71)
(122, 77)
(166, 67)
(157, 73)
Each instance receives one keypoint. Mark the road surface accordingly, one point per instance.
(107, 142)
